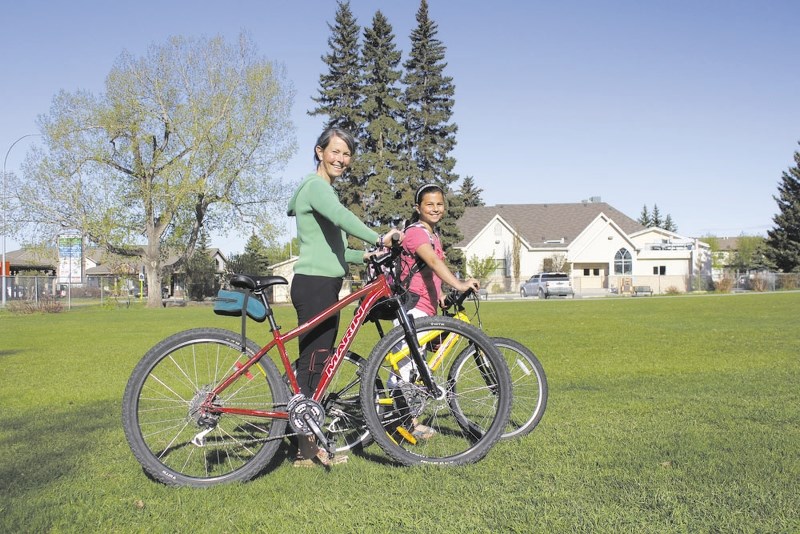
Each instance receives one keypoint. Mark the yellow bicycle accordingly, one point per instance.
(529, 382)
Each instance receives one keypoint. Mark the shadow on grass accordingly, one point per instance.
(10, 352)
(42, 446)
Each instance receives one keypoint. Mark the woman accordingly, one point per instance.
(323, 224)
(424, 252)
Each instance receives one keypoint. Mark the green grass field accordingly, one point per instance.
(674, 414)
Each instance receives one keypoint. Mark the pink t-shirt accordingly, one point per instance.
(424, 283)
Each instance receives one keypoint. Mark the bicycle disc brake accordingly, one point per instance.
(415, 397)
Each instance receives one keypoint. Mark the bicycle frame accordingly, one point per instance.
(441, 352)
(371, 293)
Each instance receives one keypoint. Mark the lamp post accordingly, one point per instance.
(5, 214)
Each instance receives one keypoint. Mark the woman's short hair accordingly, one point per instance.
(329, 133)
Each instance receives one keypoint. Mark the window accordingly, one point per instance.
(623, 264)
(660, 269)
(500, 267)
(586, 272)
(597, 272)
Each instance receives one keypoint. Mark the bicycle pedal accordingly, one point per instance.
(408, 436)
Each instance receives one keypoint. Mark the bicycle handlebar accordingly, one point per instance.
(457, 298)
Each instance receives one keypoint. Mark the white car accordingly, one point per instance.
(546, 285)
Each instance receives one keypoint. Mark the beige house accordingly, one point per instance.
(280, 292)
(602, 249)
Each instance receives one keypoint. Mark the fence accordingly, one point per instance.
(33, 288)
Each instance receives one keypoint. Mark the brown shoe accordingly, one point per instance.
(320, 459)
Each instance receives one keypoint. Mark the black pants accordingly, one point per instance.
(310, 296)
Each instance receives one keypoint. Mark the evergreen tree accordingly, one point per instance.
(254, 260)
(257, 250)
(381, 153)
(644, 218)
(783, 241)
(470, 193)
(669, 225)
(749, 254)
(340, 97)
(201, 273)
(431, 138)
(655, 218)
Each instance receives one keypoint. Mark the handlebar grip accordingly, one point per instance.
(463, 296)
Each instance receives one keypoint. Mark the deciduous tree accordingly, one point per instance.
(184, 138)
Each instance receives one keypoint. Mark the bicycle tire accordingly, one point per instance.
(389, 412)
(161, 420)
(529, 384)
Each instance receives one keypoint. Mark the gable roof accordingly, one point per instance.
(538, 223)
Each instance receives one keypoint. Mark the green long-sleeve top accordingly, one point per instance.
(323, 224)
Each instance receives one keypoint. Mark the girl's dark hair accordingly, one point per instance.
(329, 133)
(427, 188)
(422, 191)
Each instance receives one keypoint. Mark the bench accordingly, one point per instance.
(173, 302)
(637, 290)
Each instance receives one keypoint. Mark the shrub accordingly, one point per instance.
(759, 283)
(725, 285)
(672, 290)
(789, 281)
(45, 304)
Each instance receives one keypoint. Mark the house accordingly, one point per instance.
(280, 292)
(602, 249)
(91, 268)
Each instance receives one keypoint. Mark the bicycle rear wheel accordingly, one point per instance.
(169, 435)
(392, 412)
(529, 386)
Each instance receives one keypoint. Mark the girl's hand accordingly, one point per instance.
(387, 237)
(470, 284)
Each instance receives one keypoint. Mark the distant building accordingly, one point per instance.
(604, 249)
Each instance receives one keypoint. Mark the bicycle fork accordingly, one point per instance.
(412, 342)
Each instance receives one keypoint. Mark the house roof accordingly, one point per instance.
(538, 223)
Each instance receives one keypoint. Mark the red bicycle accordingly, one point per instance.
(208, 405)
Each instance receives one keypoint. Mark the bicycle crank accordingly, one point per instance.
(306, 417)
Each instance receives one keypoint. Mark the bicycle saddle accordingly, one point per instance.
(245, 281)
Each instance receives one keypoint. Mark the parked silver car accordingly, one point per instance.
(546, 285)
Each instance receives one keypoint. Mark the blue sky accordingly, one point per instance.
(690, 105)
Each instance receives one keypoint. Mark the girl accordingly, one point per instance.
(421, 242)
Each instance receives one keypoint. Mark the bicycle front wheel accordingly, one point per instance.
(177, 442)
(456, 424)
